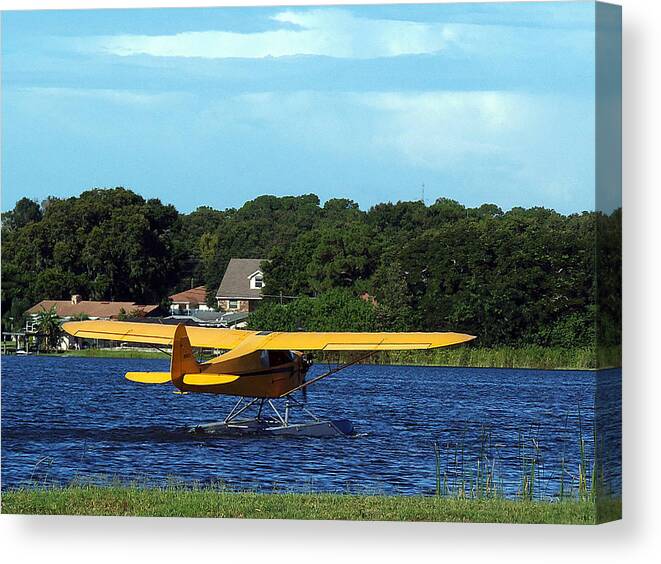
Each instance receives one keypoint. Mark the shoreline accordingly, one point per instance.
(210, 502)
(525, 358)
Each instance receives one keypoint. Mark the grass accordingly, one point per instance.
(212, 502)
(544, 358)
(112, 353)
(538, 357)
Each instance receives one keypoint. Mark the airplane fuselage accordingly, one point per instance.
(262, 374)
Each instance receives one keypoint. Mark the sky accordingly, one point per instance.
(481, 103)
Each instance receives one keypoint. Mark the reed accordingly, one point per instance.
(531, 356)
(437, 457)
(462, 475)
(463, 478)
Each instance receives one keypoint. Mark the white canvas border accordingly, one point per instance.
(74, 539)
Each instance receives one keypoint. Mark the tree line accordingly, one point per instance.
(523, 276)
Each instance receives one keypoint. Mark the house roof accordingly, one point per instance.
(193, 296)
(208, 318)
(236, 281)
(200, 316)
(65, 308)
(235, 316)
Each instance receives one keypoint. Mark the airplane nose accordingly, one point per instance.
(306, 362)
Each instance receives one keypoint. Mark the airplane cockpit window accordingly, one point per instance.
(276, 358)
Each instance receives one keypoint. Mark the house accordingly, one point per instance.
(189, 307)
(241, 287)
(189, 301)
(77, 308)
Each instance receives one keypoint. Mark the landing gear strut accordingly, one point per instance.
(268, 419)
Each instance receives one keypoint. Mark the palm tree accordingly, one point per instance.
(48, 326)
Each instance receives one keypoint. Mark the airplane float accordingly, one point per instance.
(263, 369)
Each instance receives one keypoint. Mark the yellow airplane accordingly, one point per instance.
(259, 367)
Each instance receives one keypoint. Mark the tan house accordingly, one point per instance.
(76, 307)
(241, 287)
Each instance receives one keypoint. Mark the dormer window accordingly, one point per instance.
(257, 281)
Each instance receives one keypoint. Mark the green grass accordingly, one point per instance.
(538, 357)
(211, 502)
(112, 353)
(545, 358)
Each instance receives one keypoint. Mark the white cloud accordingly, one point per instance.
(493, 142)
(333, 33)
(341, 34)
(435, 130)
(440, 129)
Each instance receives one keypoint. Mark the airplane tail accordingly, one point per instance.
(183, 361)
(185, 372)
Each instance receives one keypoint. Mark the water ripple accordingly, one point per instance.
(77, 418)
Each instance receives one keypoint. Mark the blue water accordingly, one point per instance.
(78, 418)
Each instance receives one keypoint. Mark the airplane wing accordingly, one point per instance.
(320, 341)
(155, 333)
(247, 341)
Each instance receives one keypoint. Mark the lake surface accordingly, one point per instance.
(78, 418)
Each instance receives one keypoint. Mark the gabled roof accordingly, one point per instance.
(193, 296)
(236, 281)
(65, 308)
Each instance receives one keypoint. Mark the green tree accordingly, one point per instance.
(516, 277)
(389, 288)
(105, 244)
(335, 310)
(342, 257)
(25, 211)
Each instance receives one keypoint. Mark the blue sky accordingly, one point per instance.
(478, 102)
